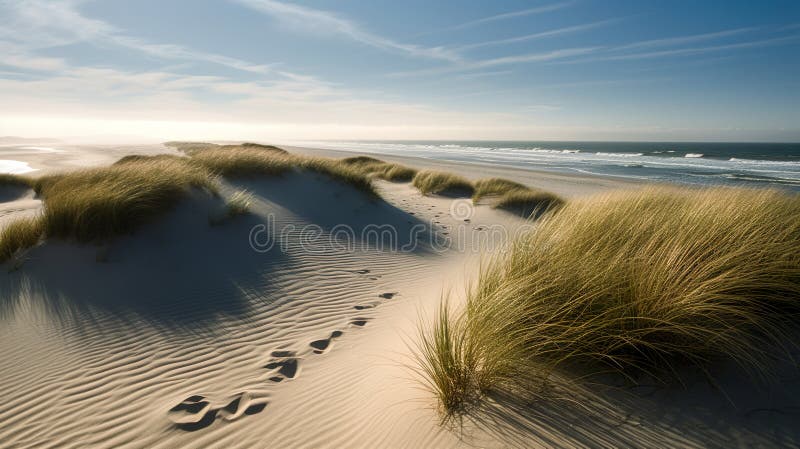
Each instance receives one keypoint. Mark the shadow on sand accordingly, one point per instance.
(180, 273)
(696, 414)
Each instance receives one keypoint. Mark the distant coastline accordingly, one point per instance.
(693, 163)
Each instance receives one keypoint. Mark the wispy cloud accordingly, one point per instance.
(683, 51)
(540, 35)
(510, 15)
(699, 50)
(506, 60)
(307, 19)
(679, 40)
(484, 74)
(34, 25)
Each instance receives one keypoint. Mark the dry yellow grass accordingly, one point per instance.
(101, 202)
(380, 169)
(632, 283)
(515, 197)
(14, 180)
(242, 161)
(494, 187)
(18, 235)
(429, 181)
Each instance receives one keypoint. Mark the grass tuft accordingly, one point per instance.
(338, 170)
(15, 180)
(380, 169)
(528, 202)
(241, 161)
(633, 283)
(18, 235)
(239, 203)
(98, 203)
(429, 182)
(515, 197)
(494, 187)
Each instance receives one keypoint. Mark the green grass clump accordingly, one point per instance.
(241, 161)
(632, 283)
(19, 234)
(429, 182)
(98, 203)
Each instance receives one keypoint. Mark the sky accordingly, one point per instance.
(280, 70)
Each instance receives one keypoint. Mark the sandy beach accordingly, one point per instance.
(295, 326)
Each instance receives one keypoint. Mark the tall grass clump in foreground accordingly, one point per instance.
(429, 181)
(632, 283)
(102, 202)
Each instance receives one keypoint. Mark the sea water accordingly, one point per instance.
(738, 164)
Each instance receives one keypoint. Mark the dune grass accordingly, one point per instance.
(528, 202)
(494, 187)
(191, 148)
(98, 203)
(239, 203)
(515, 197)
(241, 161)
(429, 182)
(18, 235)
(380, 169)
(632, 283)
(251, 159)
(9, 180)
(338, 170)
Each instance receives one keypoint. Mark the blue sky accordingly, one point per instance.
(324, 69)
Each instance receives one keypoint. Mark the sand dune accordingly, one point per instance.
(184, 335)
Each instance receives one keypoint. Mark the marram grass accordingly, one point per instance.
(430, 181)
(100, 203)
(637, 282)
(380, 169)
(515, 197)
(18, 235)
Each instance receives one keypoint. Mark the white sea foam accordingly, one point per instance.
(620, 154)
(15, 167)
(694, 155)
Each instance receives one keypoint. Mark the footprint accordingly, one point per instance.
(286, 364)
(361, 271)
(364, 306)
(360, 322)
(242, 404)
(193, 413)
(320, 346)
(387, 295)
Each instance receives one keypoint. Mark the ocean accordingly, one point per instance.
(735, 164)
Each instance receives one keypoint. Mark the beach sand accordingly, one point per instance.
(185, 335)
